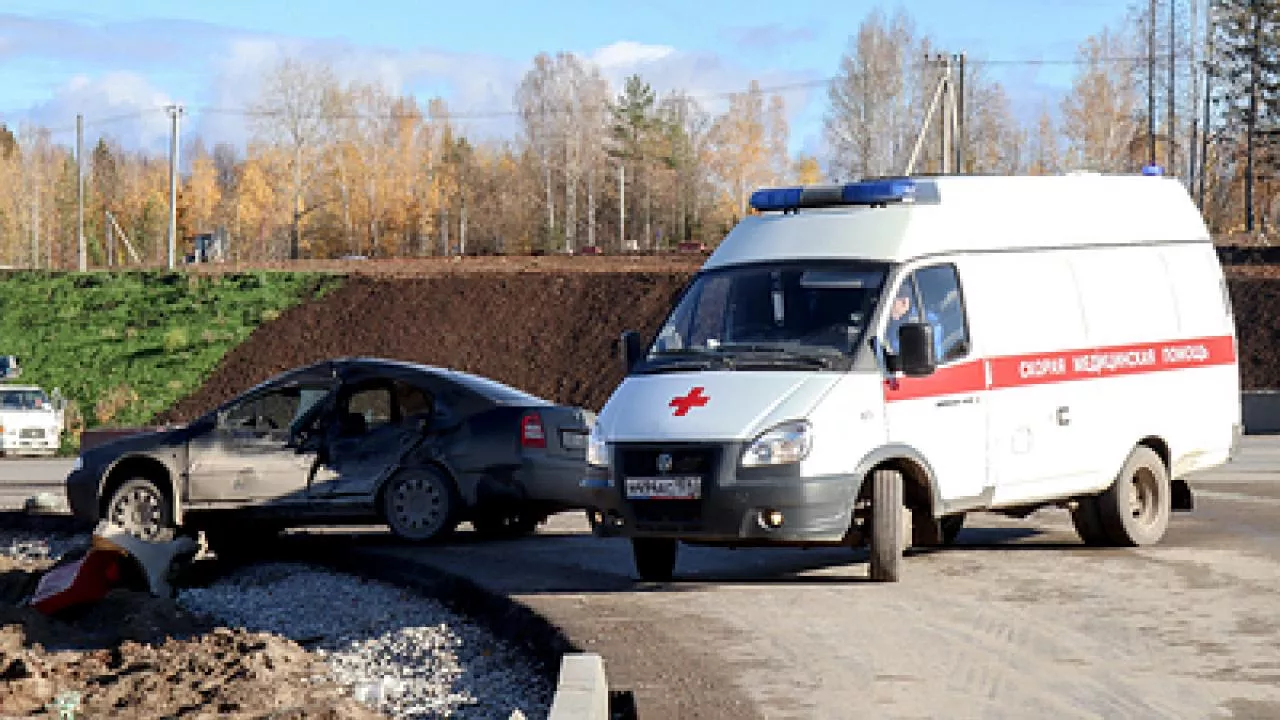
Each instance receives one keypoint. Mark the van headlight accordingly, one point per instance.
(597, 448)
(78, 465)
(782, 445)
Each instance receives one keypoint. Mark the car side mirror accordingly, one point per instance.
(630, 349)
(916, 349)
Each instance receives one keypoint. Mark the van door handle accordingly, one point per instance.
(952, 402)
(1064, 415)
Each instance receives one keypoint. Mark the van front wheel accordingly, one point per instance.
(655, 558)
(1135, 509)
(887, 535)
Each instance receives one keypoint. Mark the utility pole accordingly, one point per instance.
(622, 206)
(1251, 125)
(1151, 85)
(84, 261)
(943, 150)
(174, 112)
(35, 220)
(1193, 139)
(960, 144)
(1208, 95)
(111, 240)
(1172, 132)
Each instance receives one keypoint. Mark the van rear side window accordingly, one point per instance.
(1127, 296)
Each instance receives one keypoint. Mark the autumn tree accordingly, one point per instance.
(1247, 92)
(1099, 115)
(869, 125)
(293, 112)
(1044, 157)
(744, 156)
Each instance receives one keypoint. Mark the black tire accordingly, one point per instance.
(886, 526)
(420, 505)
(143, 509)
(1135, 509)
(1088, 522)
(951, 527)
(655, 558)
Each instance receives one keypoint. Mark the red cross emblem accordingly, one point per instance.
(683, 404)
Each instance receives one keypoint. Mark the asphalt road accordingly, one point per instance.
(21, 478)
(1017, 620)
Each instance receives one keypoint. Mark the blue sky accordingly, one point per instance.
(131, 58)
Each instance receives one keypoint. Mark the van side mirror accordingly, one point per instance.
(916, 350)
(629, 349)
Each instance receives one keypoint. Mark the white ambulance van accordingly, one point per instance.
(864, 364)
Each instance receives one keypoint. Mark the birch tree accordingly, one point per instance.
(1099, 115)
(868, 123)
(292, 113)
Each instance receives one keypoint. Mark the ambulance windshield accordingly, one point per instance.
(810, 314)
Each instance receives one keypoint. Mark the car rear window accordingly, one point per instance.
(495, 391)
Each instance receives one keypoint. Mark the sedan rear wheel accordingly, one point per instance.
(420, 505)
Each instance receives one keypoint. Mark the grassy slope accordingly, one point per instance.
(125, 346)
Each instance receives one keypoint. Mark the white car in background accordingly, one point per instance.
(30, 422)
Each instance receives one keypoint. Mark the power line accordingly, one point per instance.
(496, 114)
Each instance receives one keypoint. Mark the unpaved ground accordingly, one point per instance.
(135, 656)
(1018, 620)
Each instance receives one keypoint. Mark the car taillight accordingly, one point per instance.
(531, 433)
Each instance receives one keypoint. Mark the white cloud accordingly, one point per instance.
(123, 105)
(626, 53)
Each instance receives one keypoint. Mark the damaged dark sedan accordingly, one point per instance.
(349, 440)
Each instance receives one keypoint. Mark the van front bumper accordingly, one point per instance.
(735, 507)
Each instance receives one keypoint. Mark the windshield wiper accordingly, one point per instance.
(777, 355)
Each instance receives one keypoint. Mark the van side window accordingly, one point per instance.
(939, 287)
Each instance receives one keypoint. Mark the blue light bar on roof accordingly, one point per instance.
(868, 192)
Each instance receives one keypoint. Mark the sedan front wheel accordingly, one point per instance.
(143, 510)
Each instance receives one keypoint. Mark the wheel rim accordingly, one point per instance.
(1144, 495)
(417, 507)
(140, 511)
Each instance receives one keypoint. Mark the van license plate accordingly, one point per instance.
(665, 487)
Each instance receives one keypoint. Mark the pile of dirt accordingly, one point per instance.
(552, 334)
(134, 656)
(1256, 303)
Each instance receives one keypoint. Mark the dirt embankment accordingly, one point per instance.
(554, 335)
(134, 656)
(551, 333)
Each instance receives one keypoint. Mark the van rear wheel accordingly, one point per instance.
(1135, 509)
(887, 532)
(655, 558)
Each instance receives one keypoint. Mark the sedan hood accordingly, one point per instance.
(721, 406)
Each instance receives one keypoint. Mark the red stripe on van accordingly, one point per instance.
(965, 377)
(1066, 366)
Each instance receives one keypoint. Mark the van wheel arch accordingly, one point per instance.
(919, 491)
(1182, 498)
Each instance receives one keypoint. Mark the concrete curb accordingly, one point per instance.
(583, 690)
(1261, 411)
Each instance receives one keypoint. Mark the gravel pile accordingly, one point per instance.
(31, 545)
(400, 653)
(409, 656)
